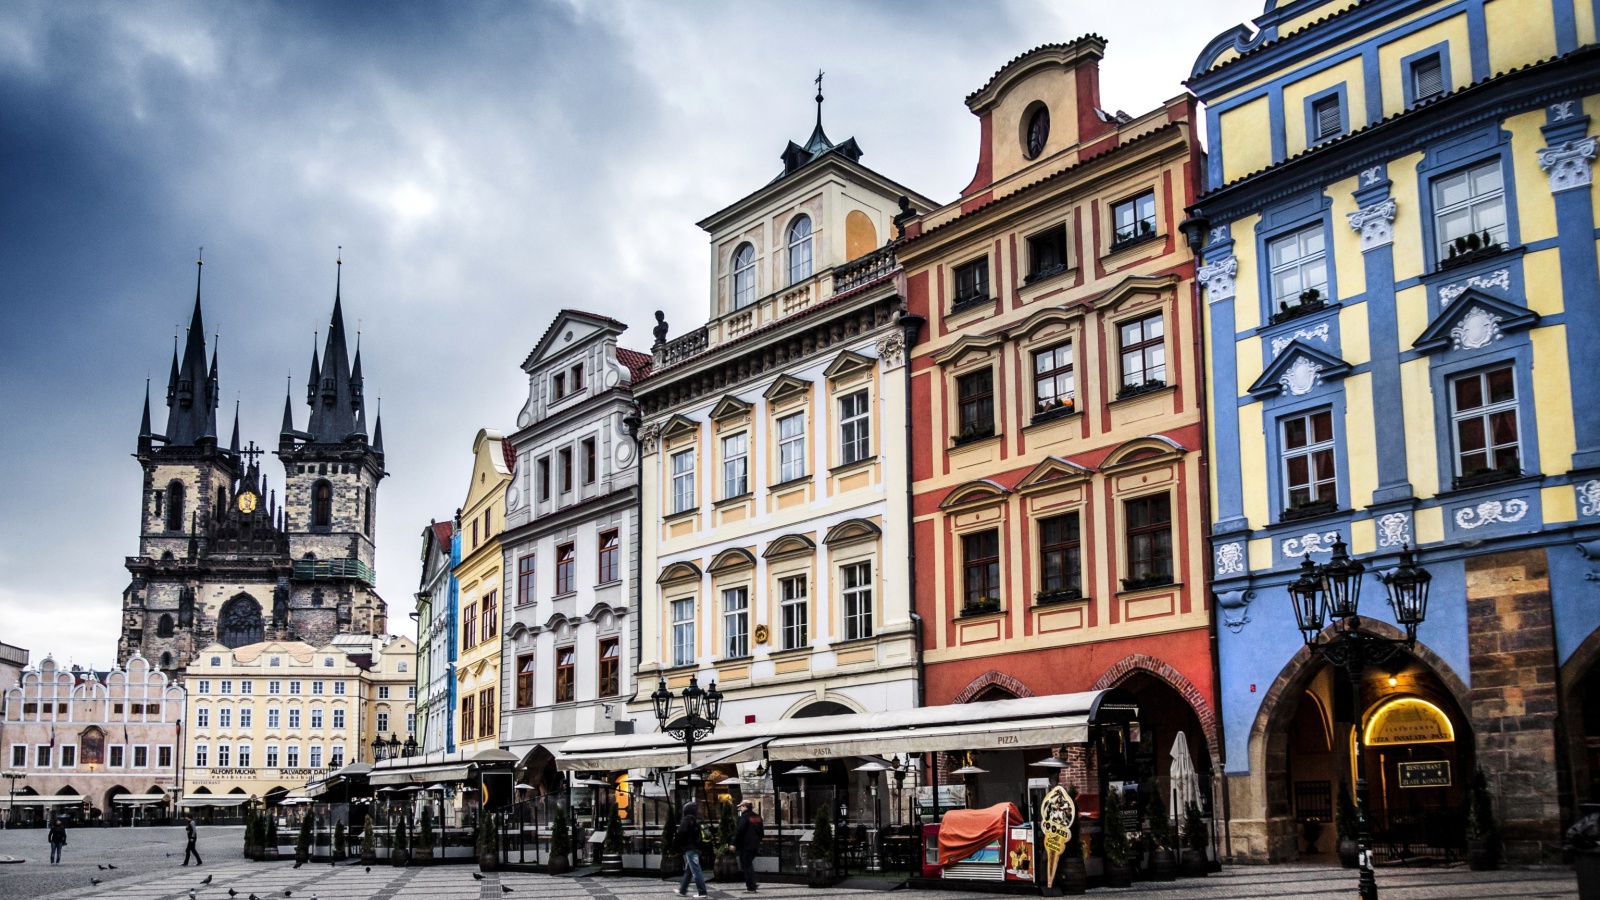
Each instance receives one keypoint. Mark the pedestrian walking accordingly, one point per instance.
(690, 839)
(747, 834)
(188, 828)
(58, 839)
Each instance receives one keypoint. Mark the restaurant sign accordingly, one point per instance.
(1435, 773)
(1408, 720)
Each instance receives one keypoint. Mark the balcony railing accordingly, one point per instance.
(679, 349)
(333, 570)
(863, 269)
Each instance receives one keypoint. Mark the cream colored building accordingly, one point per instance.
(477, 666)
(265, 718)
(774, 458)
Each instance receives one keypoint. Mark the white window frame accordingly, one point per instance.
(683, 498)
(383, 720)
(799, 244)
(1484, 413)
(1302, 260)
(314, 758)
(683, 631)
(744, 275)
(316, 718)
(272, 756)
(1473, 204)
(224, 756)
(115, 759)
(736, 622)
(202, 756)
(242, 755)
(338, 718)
(291, 756)
(139, 749)
(294, 718)
(794, 611)
(735, 464)
(246, 717)
(69, 756)
(855, 427)
(202, 717)
(165, 750)
(791, 447)
(855, 580)
(1310, 450)
(274, 717)
(224, 717)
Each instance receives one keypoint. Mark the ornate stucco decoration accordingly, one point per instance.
(1394, 530)
(891, 350)
(1294, 548)
(1570, 164)
(1375, 224)
(1566, 109)
(1491, 511)
(1218, 277)
(1234, 604)
(649, 436)
(1477, 329)
(1589, 497)
(1320, 332)
(1301, 376)
(1500, 278)
(1230, 559)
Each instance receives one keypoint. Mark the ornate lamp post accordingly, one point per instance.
(12, 776)
(1330, 594)
(410, 748)
(701, 709)
(379, 749)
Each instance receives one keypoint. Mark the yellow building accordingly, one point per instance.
(480, 523)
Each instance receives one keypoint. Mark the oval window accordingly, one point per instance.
(1038, 131)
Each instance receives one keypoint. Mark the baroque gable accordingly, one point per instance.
(1474, 320)
(1298, 370)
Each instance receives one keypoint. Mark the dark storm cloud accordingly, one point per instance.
(482, 164)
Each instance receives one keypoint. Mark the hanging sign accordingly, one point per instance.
(1057, 813)
(1408, 720)
(1425, 774)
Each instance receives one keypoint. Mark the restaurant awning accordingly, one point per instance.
(42, 799)
(456, 771)
(138, 798)
(214, 800)
(1048, 721)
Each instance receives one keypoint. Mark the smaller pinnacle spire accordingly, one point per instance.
(233, 444)
(316, 373)
(144, 421)
(377, 429)
(288, 406)
(172, 380)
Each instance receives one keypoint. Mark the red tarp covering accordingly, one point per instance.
(963, 832)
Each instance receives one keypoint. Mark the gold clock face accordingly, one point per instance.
(247, 502)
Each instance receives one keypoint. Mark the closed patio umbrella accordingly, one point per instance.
(1185, 780)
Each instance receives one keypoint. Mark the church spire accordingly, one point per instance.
(335, 402)
(316, 373)
(145, 437)
(193, 409)
(233, 443)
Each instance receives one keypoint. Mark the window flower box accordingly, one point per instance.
(1046, 272)
(1145, 231)
(1480, 477)
(1309, 510)
(1310, 301)
(1148, 581)
(1470, 248)
(971, 434)
(1064, 595)
(981, 607)
(1134, 390)
(1054, 409)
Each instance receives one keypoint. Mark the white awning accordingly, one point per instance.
(420, 774)
(1048, 732)
(214, 800)
(749, 751)
(43, 799)
(138, 798)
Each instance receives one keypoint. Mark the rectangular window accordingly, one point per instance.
(202, 757)
(856, 580)
(224, 717)
(273, 716)
(244, 756)
(474, 533)
(1150, 539)
(1299, 263)
(69, 756)
(591, 461)
(975, 394)
(544, 477)
(1060, 559)
(792, 447)
(1054, 387)
(610, 551)
(316, 757)
(486, 713)
(736, 465)
(566, 668)
(1134, 220)
(338, 687)
(855, 428)
(202, 717)
(272, 756)
(116, 756)
(338, 718)
(244, 717)
(469, 626)
(1144, 353)
(469, 718)
(383, 721)
(225, 687)
(735, 623)
(318, 687)
(1047, 253)
(1309, 478)
(980, 568)
(292, 756)
(245, 687)
(294, 688)
(796, 612)
(141, 757)
(1483, 412)
(294, 717)
(683, 632)
(1327, 118)
(19, 756)
(41, 757)
(383, 692)
(164, 757)
(224, 756)
(1427, 78)
(205, 686)
(610, 682)
(525, 574)
(565, 457)
(566, 560)
(411, 690)
(316, 718)
(525, 680)
(274, 687)
(1466, 203)
(683, 481)
(558, 385)
(972, 281)
(577, 378)
(491, 615)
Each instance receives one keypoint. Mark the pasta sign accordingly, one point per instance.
(1057, 813)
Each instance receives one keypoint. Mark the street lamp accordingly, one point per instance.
(1330, 594)
(12, 776)
(410, 748)
(701, 709)
(378, 748)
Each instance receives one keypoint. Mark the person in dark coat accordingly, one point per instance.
(58, 839)
(747, 834)
(188, 829)
(689, 841)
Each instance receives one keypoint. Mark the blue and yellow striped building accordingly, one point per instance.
(1402, 316)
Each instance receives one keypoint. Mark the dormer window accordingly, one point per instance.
(1038, 132)
(576, 381)
(744, 276)
(799, 249)
(558, 385)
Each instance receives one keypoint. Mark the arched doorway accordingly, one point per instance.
(117, 814)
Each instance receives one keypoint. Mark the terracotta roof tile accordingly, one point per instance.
(509, 454)
(442, 532)
(638, 363)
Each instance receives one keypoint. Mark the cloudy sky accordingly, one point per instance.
(482, 164)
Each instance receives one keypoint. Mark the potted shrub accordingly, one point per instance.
(1482, 835)
(270, 850)
(821, 873)
(251, 847)
(488, 845)
(611, 849)
(1193, 862)
(727, 860)
(302, 843)
(340, 850)
(1114, 842)
(1163, 865)
(560, 843)
(671, 853)
(400, 841)
(1344, 819)
(369, 848)
(422, 852)
(1073, 876)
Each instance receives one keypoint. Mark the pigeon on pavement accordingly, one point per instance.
(232, 892)
(369, 870)
(100, 867)
(207, 881)
(110, 866)
(505, 888)
(298, 864)
(191, 893)
(288, 893)
(477, 877)
(94, 881)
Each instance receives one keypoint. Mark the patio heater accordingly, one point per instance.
(1329, 596)
(969, 779)
(802, 771)
(873, 769)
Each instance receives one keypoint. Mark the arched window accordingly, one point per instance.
(799, 249)
(166, 660)
(321, 505)
(1038, 132)
(164, 627)
(239, 622)
(744, 276)
(175, 506)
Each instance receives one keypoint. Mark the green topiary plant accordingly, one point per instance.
(1115, 836)
(669, 832)
(1194, 827)
(339, 847)
(560, 834)
(1480, 809)
(369, 844)
(1345, 815)
(725, 826)
(1160, 824)
(425, 836)
(614, 838)
(822, 836)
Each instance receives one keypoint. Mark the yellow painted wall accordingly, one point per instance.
(1363, 537)
(1253, 465)
(1294, 106)
(1559, 503)
(1354, 347)
(1541, 272)
(1552, 399)
(1246, 139)
(1407, 223)
(1430, 524)
(1586, 23)
(1411, 314)
(1349, 266)
(1520, 32)
(1393, 77)
(1536, 207)
(859, 236)
(1246, 286)
(1422, 460)
(1361, 444)
(1249, 366)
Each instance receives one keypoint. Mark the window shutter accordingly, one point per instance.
(1427, 78)
(1328, 119)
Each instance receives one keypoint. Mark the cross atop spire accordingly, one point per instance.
(820, 73)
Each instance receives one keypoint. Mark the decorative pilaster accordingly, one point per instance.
(1219, 277)
(1375, 224)
(1570, 164)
